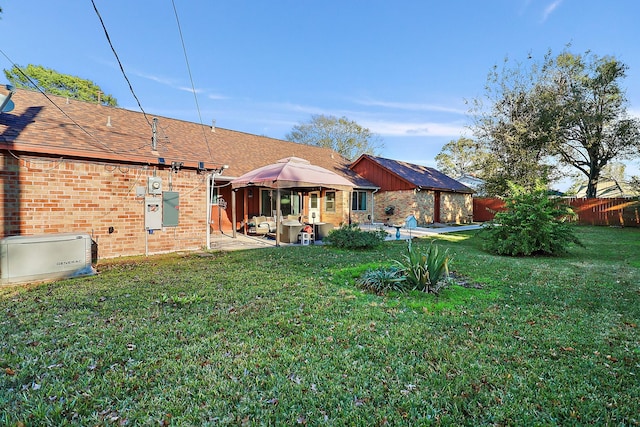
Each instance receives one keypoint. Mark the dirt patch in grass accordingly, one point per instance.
(464, 282)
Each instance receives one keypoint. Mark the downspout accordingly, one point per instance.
(210, 179)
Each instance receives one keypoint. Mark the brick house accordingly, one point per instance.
(140, 184)
(407, 189)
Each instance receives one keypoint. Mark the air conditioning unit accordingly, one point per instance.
(45, 257)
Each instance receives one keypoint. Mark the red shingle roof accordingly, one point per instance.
(80, 129)
(417, 175)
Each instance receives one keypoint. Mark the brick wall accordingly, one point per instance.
(341, 213)
(424, 210)
(454, 208)
(407, 202)
(41, 195)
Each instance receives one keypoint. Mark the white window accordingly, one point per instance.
(330, 201)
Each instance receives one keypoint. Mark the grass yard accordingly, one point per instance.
(281, 336)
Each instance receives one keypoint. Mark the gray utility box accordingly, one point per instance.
(170, 208)
(45, 257)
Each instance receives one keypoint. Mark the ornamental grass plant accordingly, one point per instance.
(425, 268)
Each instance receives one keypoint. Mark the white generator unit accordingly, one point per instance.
(44, 257)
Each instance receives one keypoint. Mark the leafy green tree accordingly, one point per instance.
(340, 134)
(511, 131)
(460, 157)
(55, 83)
(585, 111)
(569, 108)
(532, 224)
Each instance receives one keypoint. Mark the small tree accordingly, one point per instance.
(533, 223)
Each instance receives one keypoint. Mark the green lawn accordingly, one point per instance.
(281, 336)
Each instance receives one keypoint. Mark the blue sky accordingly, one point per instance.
(402, 68)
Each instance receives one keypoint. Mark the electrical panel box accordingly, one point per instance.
(153, 213)
(154, 185)
(170, 208)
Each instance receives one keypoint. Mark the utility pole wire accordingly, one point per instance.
(193, 89)
(106, 33)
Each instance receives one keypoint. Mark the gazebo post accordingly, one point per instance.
(245, 209)
(233, 212)
(278, 219)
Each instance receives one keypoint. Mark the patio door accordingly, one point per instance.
(314, 207)
(289, 202)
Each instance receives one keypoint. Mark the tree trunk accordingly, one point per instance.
(592, 186)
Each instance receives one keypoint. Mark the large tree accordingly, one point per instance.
(587, 117)
(510, 130)
(340, 134)
(460, 157)
(55, 83)
(569, 107)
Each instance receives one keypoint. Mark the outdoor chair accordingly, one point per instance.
(262, 225)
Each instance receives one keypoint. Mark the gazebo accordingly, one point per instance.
(290, 173)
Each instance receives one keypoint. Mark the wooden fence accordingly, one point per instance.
(624, 212)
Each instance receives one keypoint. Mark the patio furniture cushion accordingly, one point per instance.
(262, 225)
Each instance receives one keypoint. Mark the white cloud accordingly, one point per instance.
(162, 80)
(189, 89)
(550, 9)
(217, 97)
(388, 128)
(409, 106)
(166, 81)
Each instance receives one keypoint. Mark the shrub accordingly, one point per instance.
(350, 236)
(383, 280)
(533, 223)
(426, 270)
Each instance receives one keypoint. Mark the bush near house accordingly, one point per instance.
(351, 236)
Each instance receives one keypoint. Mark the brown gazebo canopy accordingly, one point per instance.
(290, 173)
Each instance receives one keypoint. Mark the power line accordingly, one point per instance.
(193, 89)
(106, 33)
(39, 89)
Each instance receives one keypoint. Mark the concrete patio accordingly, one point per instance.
(225, 242)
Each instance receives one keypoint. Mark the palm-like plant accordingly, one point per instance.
(425, 270)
